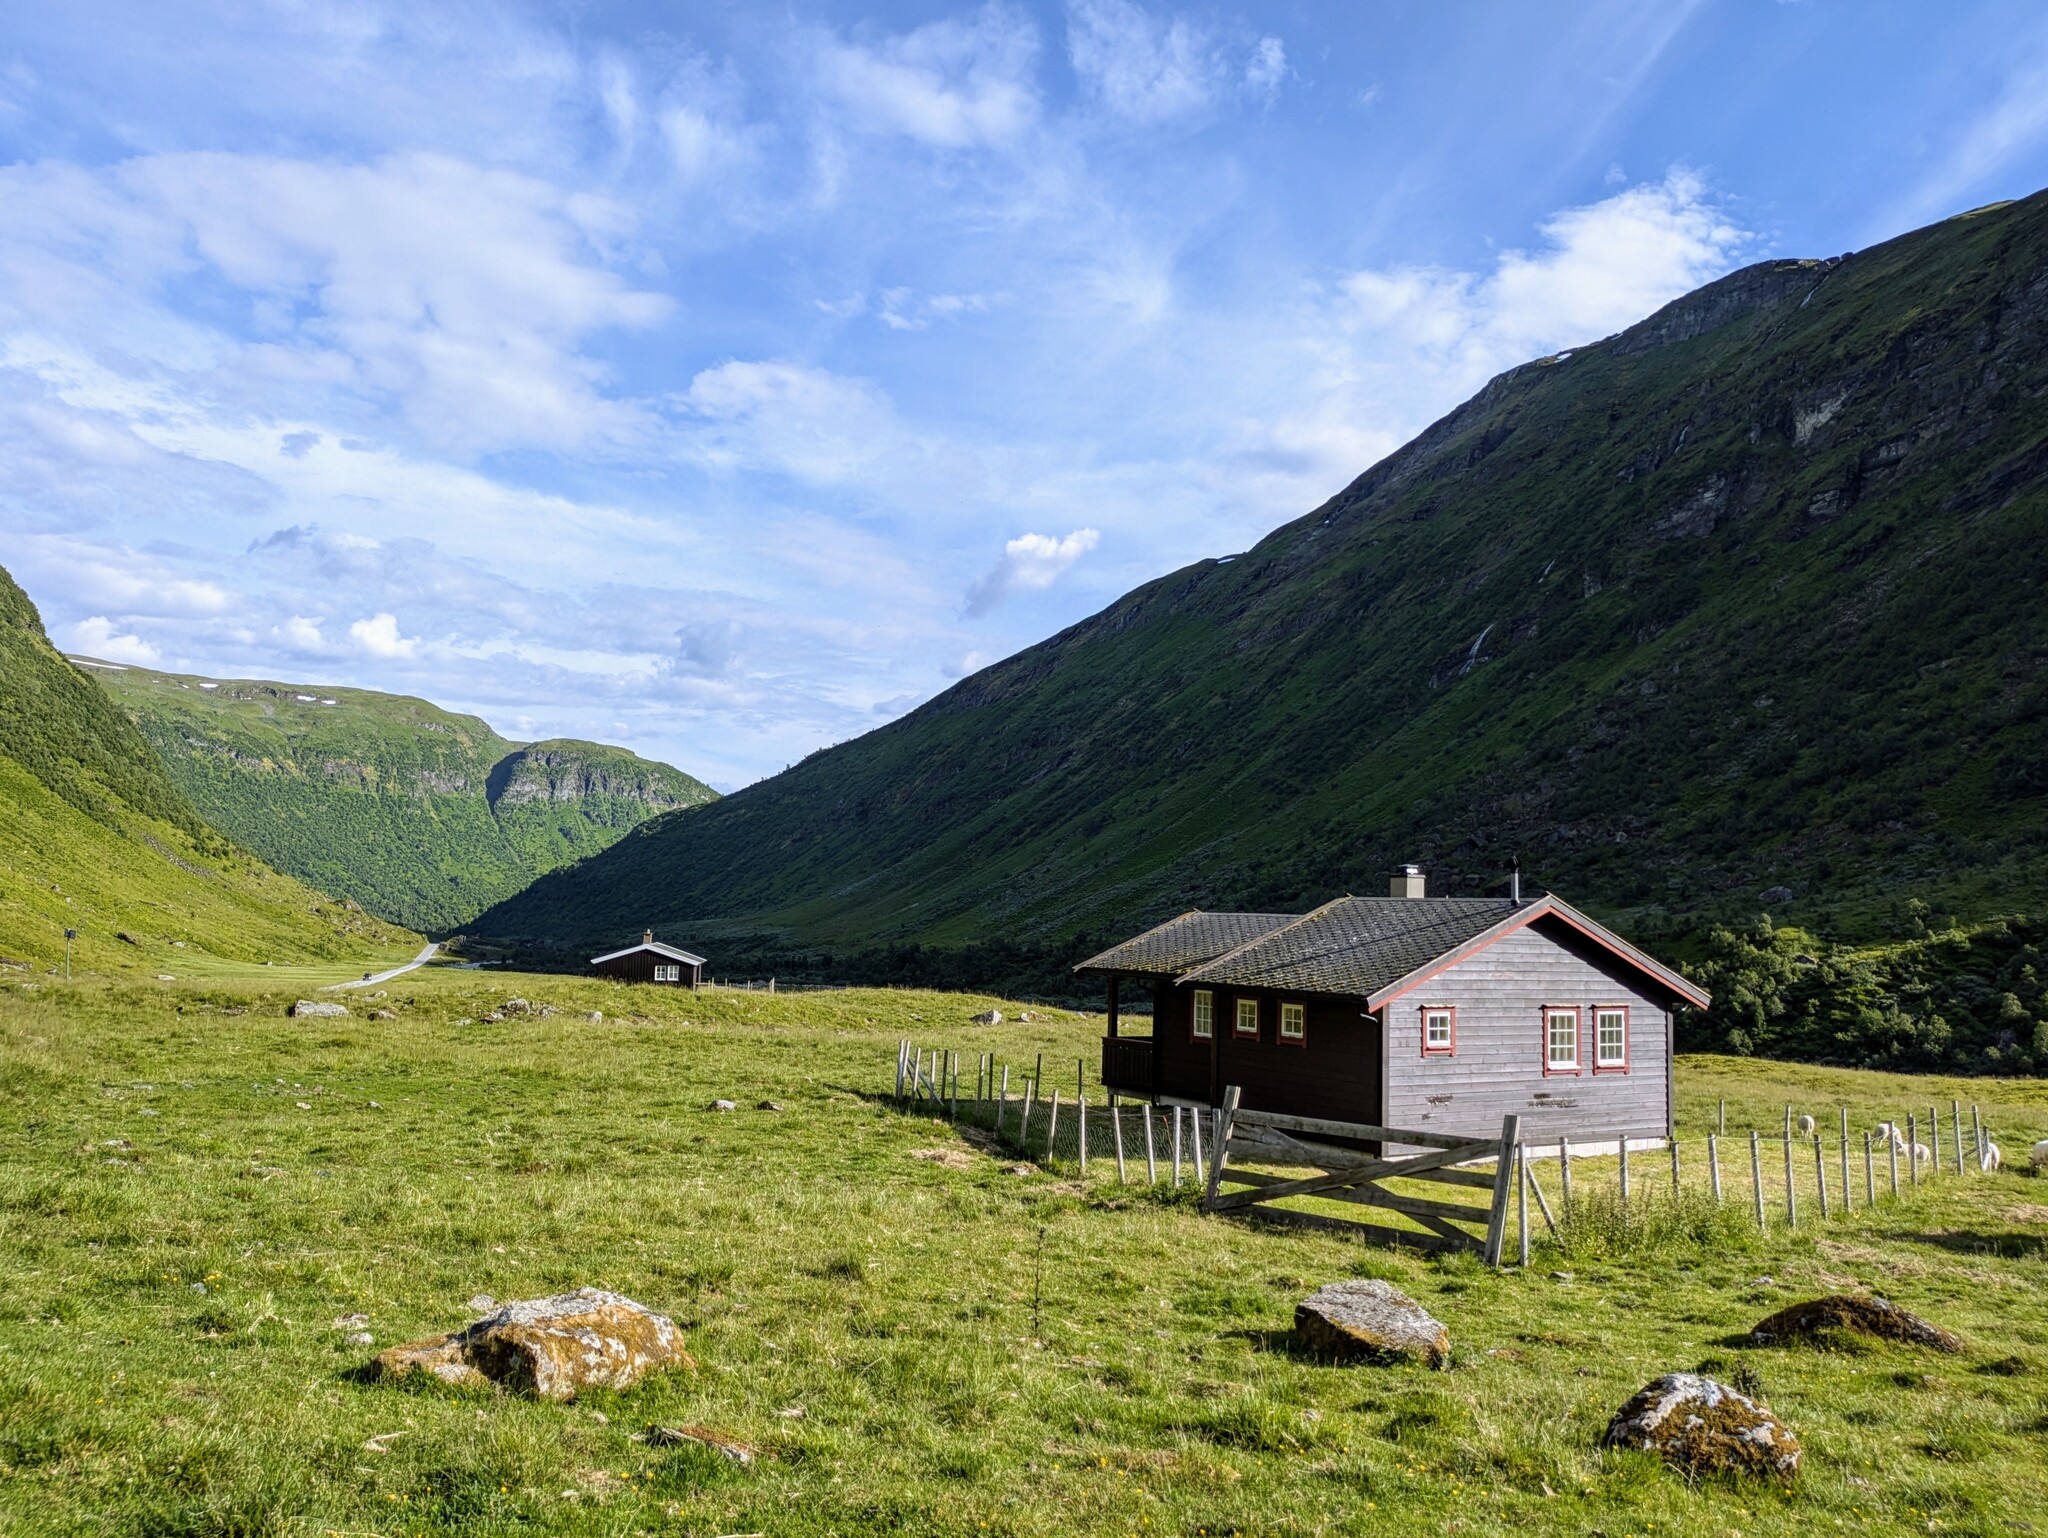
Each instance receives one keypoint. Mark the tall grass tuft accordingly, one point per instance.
(1599, 1225)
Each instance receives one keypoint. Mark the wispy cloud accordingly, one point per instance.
(1029, 563)
(954, 83)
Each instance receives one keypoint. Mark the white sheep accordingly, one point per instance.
(1806, 1126)
(1919, 1153)
(1990, 1159)
(2039, 1157)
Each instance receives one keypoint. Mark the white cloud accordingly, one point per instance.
(300, 634)
(952, 83)
(378, 637)
(1266, 69)
(1029, 563)
(1139, 65)
(786, 417)
(97, 636)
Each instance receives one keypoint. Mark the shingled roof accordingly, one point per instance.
(1368, 947)
(1187, 941)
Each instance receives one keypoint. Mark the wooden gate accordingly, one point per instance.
(1350, 1174)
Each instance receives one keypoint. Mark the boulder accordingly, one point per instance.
(1857, 1316)
(547, 1347)
(1370, 1321)
(725, 1105)
(1701, 1426)
(317, 1009)
(989, 1017)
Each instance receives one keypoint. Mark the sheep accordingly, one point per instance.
(1990, 1159)
(1919, 1153)
(2039, 1157)
(1806, 1126)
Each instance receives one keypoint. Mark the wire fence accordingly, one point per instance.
(1796, 1175)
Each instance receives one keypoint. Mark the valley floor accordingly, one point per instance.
(194, 1189)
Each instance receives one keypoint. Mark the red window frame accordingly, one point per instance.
(1609, 1009)
(1280, 1030)
(1193, 995)
(1578, 1015)
(1450, 1048)
(1237, 1030)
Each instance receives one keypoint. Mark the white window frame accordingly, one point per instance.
(1202, 1015)
(1237, 1020)
(1602, 1062)
(1552, 1013)
(1298, 1015)
(667, 972)
(1431, 1014)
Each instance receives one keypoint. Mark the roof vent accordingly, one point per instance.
(1407, 882)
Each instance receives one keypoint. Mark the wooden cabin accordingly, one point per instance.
(1435, 1013)
(651, 962)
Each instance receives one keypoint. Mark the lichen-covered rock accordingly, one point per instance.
(1704, 1427)
(1856, 1315)
(317, 1008)
(1370, 1321)
(548, 1347)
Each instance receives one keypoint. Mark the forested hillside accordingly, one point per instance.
(95, 837)
(421, 815)
(1739, 610)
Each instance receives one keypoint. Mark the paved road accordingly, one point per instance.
(420, 960)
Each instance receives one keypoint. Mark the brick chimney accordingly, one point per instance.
(1407, 882)
(648, 938)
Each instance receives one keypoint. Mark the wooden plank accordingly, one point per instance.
(1503, 1173)
(1222, 1141)
(1378, 1170)
(1542, 1202)
(1360, 1130)
(1410, 1206)
(1477, 1180)
(1290, 1152)
(1373, 1231)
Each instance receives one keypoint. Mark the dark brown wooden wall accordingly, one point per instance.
(638, 967)
(1336, 1074)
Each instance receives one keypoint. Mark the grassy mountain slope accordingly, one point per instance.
(95, 837)
(1746, 597)
(420, 815)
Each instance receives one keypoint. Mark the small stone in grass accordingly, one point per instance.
(317, 1007)
(595, 1017)
(724, 1105)
(769, 1105)
(361, 1338)
(373, 1105)
(351, 1321)
(302, 1105)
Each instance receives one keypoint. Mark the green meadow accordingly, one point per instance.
(195, 1191)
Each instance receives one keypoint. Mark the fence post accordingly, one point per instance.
(953, 1077)
(1721, 1119)
(1052, 1126)
(1847, 1204)
(1913, 1148)
(1869, 1175)
(1504, 1165)
(1002, 1099)
(1891, 1145)
(1674, 1166)
(1081, 1111)
(1714, 1166)
(1756, 1179)
(1024, 1122)
(1934, 1138)
(1522, 1200)
(1231, 1095)
(1820, 1174)
(1151, 1159)
(1622, 1143)
(1564, 1165)
(1791, 1186)
(1116, 1134)
(1195, 1132)
(1955, 1120)
(902, 1050)
(1977, 1127)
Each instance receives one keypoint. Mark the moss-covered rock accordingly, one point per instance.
(1702, 1426)
(1855, 1315)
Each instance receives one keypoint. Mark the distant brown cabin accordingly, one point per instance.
(1437, 1013)
(651, 962)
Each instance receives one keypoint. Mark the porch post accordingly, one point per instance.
(1113, 980)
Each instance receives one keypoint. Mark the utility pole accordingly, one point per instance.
(69, 936)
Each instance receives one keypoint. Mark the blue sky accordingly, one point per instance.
(725, 379)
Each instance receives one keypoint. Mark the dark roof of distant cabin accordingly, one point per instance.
(1355, 944)
(1187, 941)
(1358, 946)
(651, 945)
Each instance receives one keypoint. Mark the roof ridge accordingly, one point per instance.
(1272, 934)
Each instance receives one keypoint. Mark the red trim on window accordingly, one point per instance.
(1450, 1050)
(1193, 1035)
(1578, 1040)
(1279, 1031)
(1237, 1030)
(1622, 1066)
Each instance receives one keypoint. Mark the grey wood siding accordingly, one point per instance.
(1499, 994)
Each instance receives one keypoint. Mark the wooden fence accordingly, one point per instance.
(1785, 1177)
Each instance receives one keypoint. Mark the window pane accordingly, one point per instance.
(1205, 1012)
(1247, 1017)
(1293, 1021)
(1438, 1022)
(1613, 1039)
(1564, 1039)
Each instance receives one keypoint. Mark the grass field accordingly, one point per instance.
(193, 1188)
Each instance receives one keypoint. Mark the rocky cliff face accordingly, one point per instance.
(564, 770)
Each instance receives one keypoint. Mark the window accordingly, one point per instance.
(1294, 1024)
(1248, 1018)
(1202, 1023)
(1610, 1036)
(668, 974)
(1561, 1040)
(1439, 1029)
